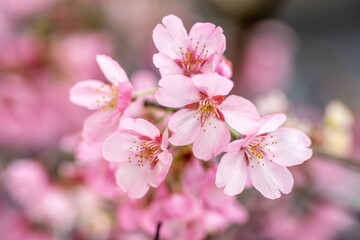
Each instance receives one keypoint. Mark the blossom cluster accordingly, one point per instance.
(55, 182)
(193, 96)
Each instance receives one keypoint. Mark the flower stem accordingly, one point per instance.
(148, 103)
(145, 93)
(234, 133)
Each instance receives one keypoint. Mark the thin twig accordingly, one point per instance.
(148, 103)
(157, 236)
(145, 93)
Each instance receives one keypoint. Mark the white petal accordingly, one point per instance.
(232, 173)
(177, 91)
(111, 69)
(240, 114)
(92, 94)
(185, 128)
(271, 122)
(289, 146)
(213, 138)
(140, 126)
(133, 179)
(270, 179)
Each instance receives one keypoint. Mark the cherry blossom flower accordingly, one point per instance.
(263, 157)
(109, 99)
(199, 51)
(204, 118)
(143, 152)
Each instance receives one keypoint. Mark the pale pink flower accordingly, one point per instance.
(110, 100)
(204, 118)
(180, 53)
(143, 152)
(263, 157)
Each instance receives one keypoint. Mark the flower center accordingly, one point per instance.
(193, 58)
(146, 152)
(105, 103)
(207, 110)
(260, 149)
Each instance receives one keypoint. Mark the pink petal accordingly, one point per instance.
(289, 146)
(92, 94)
(165, 139)
(166, 65)
(111, 69)
(177, 91)
(168, 38)
(161, 169)
(212, 84)
(101, 124)
(271, 122)
(210, 36)
(133, 179)
(224, 67)
(236, 145)
(140, 126)
(121, 147)
(185, 128)
(270, 178)
(240, 114)
(232, 173)
(212, 140)
(124, 95)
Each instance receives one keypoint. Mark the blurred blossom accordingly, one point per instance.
(21, 53)
(75, 54)
(338, 129)
(97, 174)
(93, 220)
(135, 29)
(54, 208)
(356, 148)
(5, 28)
(17, 9)
(268, 57)
(34, 114)
(200, 209)
(275, 101)
(322, 220)
(336, 182)
(26, 180)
